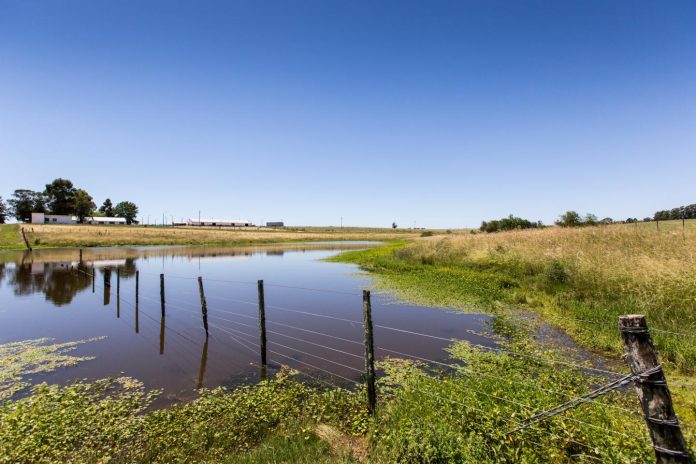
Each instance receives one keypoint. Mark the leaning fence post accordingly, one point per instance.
(653, 393)
(162, 292)
(204, 306)
(262, 323)
(369, 353)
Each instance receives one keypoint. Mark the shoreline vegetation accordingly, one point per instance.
(424, 414)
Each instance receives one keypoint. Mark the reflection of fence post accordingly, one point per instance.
(653, 393)
(204, 306)
(118, 293)
(262, 323)
(369, 353)
(137, 298)
(162, 334)
(162, 292)
(107, 277)
(93, 277)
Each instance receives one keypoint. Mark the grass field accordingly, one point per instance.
(579, 279)
(94, 236)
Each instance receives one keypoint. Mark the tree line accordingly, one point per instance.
(62, 197)
(683, 212)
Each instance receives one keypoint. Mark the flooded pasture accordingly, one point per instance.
(313, 314)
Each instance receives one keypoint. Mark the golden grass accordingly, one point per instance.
(88, 235)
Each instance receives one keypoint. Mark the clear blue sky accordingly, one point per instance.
(444, 113)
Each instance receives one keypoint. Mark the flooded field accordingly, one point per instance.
(313, 314)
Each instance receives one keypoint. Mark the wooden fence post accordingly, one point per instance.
(162, 292)
(204, 306)
(369, 353)
(653, 393)
(80, 255)
(262, 323)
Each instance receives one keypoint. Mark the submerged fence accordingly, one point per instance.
(646, 374)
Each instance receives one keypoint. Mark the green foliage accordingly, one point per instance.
(106, 420)
(24, 202)
(509, 223)
(3, 211)
(127, 210)
(427, 233)
(107, 208)
(682, 212)
(569, 219)
(83, 204)
(60, 196)
(555, 272)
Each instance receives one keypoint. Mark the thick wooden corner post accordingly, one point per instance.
(369, 353)
(653, 393)
(262, 324)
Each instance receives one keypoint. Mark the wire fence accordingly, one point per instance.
(243, 330)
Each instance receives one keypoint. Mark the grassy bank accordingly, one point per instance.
(579, 279)
(49, 236)
(423, 416)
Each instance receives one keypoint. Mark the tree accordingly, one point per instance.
(394, 226)
(569, 219)
(107, 208)
(24, 202)
(127, 210)
(83, 203)
(509, 223)
(3, 211)
(590, 220)
(60, 196)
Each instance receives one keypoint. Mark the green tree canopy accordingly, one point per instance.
(83, 203)
(509, 223)
(24, 202)
(107, 208)
(60, 196)
(3, 211)
(127, 210)
(570, 219)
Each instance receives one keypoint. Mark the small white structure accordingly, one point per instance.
(43, 218)
(105, 220)
(219, 222)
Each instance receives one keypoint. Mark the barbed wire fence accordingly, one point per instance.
(647, 376)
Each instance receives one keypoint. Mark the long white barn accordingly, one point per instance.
(219, 222)
(43, 218)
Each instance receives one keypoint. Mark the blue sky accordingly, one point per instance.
(444, 113)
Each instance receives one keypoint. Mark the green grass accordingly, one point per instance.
(10, 237)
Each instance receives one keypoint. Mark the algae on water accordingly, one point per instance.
(20, 359)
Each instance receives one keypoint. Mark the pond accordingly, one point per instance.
(313, 314)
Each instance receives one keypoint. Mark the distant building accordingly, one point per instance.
(275, 224)
(43, 218)
(105, 220)
(219, 222)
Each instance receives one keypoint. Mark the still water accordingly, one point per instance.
(313, 314)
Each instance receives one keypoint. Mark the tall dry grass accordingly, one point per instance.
(88, 235)
(594, 274)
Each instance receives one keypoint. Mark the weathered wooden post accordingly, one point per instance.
(653, 393)
(369, 353)
(137, 299)
(162, 292)
(262, 323)
(80, 255)
(204, 306)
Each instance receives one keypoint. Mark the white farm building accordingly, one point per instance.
(219, 222)
(43, 218)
